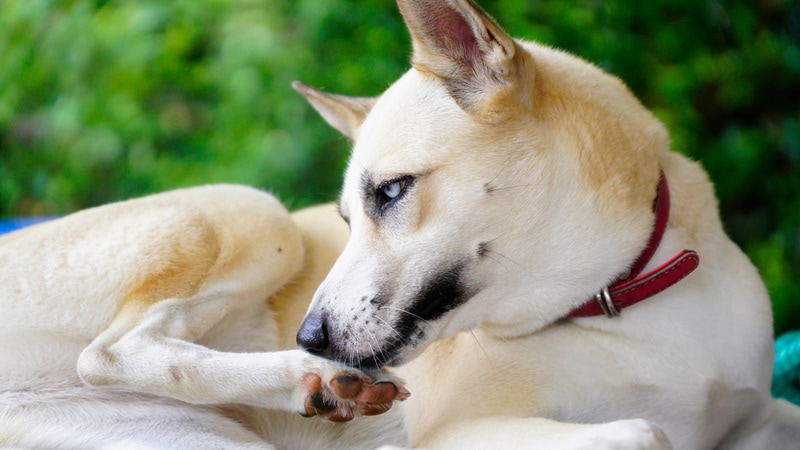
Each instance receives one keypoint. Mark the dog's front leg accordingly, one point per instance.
(516, 432)
(151, 352)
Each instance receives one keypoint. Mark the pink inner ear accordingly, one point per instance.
(451, 32)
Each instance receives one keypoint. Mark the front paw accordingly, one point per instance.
(349, 393)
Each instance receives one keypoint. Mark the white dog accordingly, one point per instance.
(519, 245)
(133, 325)
(503, 198)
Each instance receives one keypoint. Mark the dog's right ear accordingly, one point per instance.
(340, 111)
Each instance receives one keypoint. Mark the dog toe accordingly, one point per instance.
(379, 393)
(349, 394)
(348, 386)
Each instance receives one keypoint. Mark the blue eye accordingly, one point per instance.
(392, 190)
(387, 193)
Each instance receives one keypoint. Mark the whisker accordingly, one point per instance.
(486, 254)
(509, 166)
(405, 312)
(498, 237)
(505, 188)
(525, 269)
(472, 332)
(502, 338)
(389, 326)
(371, 348)
(495, 177)
(380, 356)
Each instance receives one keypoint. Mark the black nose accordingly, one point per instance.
(313, 334)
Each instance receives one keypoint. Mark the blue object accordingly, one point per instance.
(9, 225)
(786, 375)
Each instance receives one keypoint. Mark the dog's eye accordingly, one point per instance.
(389, 192)
(393, 189)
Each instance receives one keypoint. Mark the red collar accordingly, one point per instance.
(632, 286)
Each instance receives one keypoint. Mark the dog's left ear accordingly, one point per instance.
(340, 111)
(460, 43)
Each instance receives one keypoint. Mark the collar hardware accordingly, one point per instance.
(631, 286)
(603, 299)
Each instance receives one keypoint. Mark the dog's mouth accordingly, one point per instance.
(388, 357)
(397, 351)
(409, 337)
(386, 329)
(415, 326)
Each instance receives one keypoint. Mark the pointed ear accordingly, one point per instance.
(460, 43)
(341, 112)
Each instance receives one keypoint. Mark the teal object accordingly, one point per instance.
(786, 375)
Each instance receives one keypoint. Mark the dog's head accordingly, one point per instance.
(496, 184)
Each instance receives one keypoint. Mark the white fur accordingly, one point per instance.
(167, 322)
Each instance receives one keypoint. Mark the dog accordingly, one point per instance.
(497, 195)
(168, 322)
(535, 262)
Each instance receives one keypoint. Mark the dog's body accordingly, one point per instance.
(173, 307)
(494, 189)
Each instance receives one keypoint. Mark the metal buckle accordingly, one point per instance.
(606, 303)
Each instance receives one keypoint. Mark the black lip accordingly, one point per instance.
(374, 361)
(385, 356)
(441, 294)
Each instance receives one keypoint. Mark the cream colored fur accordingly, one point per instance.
(168, 322)
(495, 187)
(525, 180)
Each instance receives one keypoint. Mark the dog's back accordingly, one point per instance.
(62, 283)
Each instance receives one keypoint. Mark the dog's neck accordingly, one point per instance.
(632, 286)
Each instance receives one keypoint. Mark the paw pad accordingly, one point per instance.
(348, 395)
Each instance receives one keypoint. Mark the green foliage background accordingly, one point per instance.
(105, 100)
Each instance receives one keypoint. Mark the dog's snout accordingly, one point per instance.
(313, 334)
